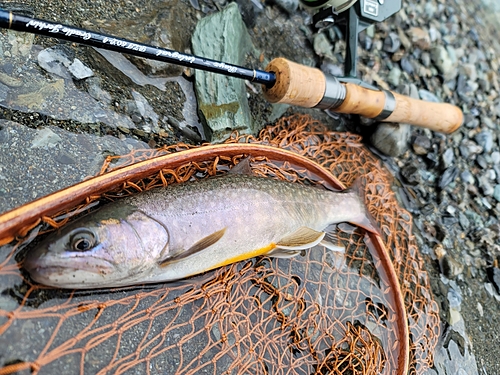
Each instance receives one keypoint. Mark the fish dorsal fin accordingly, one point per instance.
(200, 245)
(243, 167)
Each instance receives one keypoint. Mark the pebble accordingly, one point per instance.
(392, 43)
(54, 61)
(79, 71)
(496, 193)
(454, 299)
(485, 185)
(288, 5)
(485, 140)
(448, 157)
(428, 96)
(421, 145)
(390, 138)
(394, 76)
(420, 38)
(449, 175)
(442, 60)
(45, 138)
(406, 65)
(4, 92)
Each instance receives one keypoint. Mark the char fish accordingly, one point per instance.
(186, 229)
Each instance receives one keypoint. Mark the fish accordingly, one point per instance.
(172, 233)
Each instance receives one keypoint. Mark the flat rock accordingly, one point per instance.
(222, 100)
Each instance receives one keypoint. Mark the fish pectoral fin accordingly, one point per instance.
(302, 238)
(200, 245)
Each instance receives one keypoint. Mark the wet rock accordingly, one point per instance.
(421, 145)
(449, 266)
(146, 112)
(467, 177)
(79, 71)
(495, 157)
(4, 92)
(63, 157)
(289, 6)
(392, 43)
(394, 76)
(120, 62)
(322, 46)
(469, 148)
(410, 174)
(454, 299)
(441, 58)
(249, 11)
(406, 65)
(496, 193)
(464, 222)
(45, 138)
(222, 100)
(425, 57)
(55, 61)
(53, 158)
(94, 89)
(391, 138)
(420, 38)
(485, 185)
(405, 42)
(492, 291)
(428, 96)
(165, 26)
(448, 157)
(485, 140)
(448, 176)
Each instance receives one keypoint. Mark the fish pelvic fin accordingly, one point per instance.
(200, 245)
(367, 221)
(291, 245)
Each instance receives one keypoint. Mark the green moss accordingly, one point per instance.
(212, 111)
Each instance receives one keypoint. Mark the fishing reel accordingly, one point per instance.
(352, 17)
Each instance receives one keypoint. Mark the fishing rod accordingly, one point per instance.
(283, 81)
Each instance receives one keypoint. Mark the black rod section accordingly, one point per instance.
(18, 22)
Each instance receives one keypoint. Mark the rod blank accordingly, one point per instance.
(284, 81)
(17, 22)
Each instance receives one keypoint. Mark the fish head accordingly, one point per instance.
(114, 246)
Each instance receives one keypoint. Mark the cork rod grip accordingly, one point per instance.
(296, 84)
(441, 117)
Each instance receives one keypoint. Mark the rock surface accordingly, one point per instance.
(450, 183)
(222, 100)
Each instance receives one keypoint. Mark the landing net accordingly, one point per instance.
(318, 313)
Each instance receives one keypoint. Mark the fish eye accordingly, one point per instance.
(82, 241)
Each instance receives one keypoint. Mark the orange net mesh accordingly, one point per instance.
(318, 313)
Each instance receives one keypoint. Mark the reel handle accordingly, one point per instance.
(308, 87)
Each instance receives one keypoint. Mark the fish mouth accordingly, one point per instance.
(59, 276)
(47, 269)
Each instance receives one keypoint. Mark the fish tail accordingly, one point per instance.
(366, 221)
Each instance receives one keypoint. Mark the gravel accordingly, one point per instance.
(84, 106)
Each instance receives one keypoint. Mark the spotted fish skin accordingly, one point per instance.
(186, 229)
